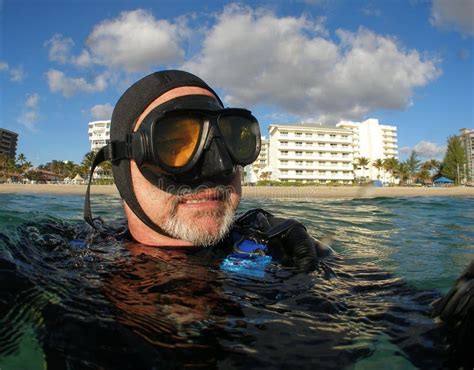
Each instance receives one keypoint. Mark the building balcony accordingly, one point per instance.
(315, 139)
(317, 177)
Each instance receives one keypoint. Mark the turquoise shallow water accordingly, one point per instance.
(105, 303)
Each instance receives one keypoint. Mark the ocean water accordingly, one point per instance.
(70, 298)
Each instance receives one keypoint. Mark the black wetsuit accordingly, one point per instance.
(101, 305)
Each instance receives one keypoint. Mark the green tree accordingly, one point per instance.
(86, 163)
(403, 171)
(454, 164)
(424, 176)
(391, 166)
(22, 164)
(378, 164)
(413, 164)
(363, 163)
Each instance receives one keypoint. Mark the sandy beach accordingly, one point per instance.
(306, 192)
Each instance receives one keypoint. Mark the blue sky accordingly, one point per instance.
(407, 63)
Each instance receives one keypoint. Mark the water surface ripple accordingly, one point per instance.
(77, 299)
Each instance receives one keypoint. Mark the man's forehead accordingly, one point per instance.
(169, 95)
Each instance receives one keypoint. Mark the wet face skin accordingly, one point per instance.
(198, 218)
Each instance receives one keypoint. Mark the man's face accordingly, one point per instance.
(199, 217)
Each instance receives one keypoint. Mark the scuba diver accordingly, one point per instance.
(166, 289)
(176, 156)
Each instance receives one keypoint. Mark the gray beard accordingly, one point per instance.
(184, 229)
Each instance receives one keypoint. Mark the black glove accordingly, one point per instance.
(287, 240)
(295, 247)
(456, 310)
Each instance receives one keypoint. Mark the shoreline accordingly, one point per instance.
(264, 192)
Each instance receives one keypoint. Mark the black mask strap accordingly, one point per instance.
(107, 153)
(99, 158)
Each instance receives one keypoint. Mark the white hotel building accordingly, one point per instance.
(311, 152)
(99, 134)
(314, 152)
(372, 141)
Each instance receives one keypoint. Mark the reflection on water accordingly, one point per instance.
(91, 301)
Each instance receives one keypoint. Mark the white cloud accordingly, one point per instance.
(83, 60)
(59, 48)
(135, 41)
(454, 14)
(405, 150)
(371, 11)
(257, 57)
(425, 149)
(428, 149)
(29, 115)
(17, 74)
(68, 86)
(28, 119)
(32, 101)
(102, 111)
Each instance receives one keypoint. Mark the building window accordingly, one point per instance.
(284, 133)
(308, 134)
(333, 145)
(309, 144)
(332, 136)
(298, 134)
(309, 172)
(344, 136)
(299, 172)
(284, 143)
(299, 163)
(298, 154)
(320, 135)
(345, 145)
(299, 143)
(284, 163)
(284, 152)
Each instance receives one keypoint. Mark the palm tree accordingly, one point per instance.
(391, 165)
(404, 172)
(86, 163)
(363, 163)
(21, 159)
(3, 163)
(424, 175)
(431, 167)
(23, 165)
(378, 164)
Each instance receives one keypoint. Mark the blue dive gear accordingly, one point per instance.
(248, 257)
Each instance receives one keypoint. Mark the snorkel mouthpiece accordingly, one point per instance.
(217, 163)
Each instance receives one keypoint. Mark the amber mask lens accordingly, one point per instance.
(239, 136)
(176, 140)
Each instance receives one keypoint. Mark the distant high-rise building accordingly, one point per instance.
(99, 134)
(8, 141)
(467, 138)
